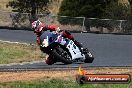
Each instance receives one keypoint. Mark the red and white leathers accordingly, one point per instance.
(38, 30)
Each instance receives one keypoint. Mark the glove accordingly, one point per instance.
(58, 30)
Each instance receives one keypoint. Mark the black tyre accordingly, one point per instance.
(88, 55)
(61, 55)
(89, 59)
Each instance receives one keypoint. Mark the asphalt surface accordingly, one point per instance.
(108, 49)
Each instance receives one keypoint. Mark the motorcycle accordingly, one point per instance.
(61, 49)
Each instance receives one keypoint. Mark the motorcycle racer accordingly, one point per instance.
(38, 28)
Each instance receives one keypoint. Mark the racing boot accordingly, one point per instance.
(49, 60)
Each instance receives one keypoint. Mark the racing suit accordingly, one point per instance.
(52, 27)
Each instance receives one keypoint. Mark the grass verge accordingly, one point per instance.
(18, 53)
(57, 83)
(58, 79)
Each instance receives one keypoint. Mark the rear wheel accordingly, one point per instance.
(62, 55)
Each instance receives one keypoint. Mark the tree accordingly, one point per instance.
(117, 11)
(130, 1)
(86, 8)
(29, 6)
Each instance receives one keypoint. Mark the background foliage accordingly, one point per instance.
(112, 9)
(29, 6)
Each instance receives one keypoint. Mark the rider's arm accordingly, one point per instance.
(50, 27)
(67, 35)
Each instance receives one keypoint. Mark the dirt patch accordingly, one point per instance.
(67, 74)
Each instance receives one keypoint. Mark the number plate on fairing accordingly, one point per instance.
(74, 50)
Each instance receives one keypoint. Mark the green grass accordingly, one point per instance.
(15, 53)
(55, 83)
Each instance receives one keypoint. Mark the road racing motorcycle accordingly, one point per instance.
(61, 49)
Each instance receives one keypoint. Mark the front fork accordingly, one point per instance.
(86, 51)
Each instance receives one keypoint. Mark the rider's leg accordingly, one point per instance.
(49, 60)
(68, 35)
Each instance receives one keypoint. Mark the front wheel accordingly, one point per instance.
(62, 55)
(89, 57)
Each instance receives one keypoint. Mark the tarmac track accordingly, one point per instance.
(108, 49)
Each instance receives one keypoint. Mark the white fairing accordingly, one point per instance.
(74, 50)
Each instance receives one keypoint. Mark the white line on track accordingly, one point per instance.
(16, 42)
(23, 63)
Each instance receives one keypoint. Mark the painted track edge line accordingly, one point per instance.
(11, 64)
(16, 42)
